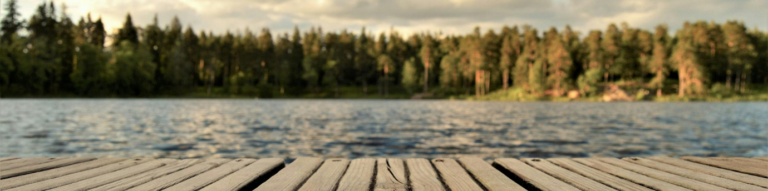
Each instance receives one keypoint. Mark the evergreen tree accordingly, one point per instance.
(658, 63)
(560, 66)
(687, 62)
(610, 49)
(11, 23)
(98, 34)
(127, 33)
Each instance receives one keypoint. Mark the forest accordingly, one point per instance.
(51, 55)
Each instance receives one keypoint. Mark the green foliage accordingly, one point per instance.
(588, 81)
(410, 76)
(133, 70)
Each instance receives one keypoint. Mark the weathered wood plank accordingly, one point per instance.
(292, 176)
(762, 158)
(211, 176)
(242, 177)
(732, 165)
(26, 162)
(43, 166)
(3, 159)
(390, 175)
(574, 179)
(138, 179)
(75, 177)
(706, 178)
(97, 181)
(359, 175)
(532, 176)
(719, 172)
(422, 175)
(489, 177)
(671, 178)
(172, 179)
(327, 176)
(629, 175)
(54, 173)
(454, 176)
(757, 163)
(597, 175)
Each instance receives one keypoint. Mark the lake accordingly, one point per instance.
(200, 128)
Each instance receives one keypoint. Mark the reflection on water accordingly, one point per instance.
(365, 128)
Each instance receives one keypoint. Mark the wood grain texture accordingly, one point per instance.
(629, 175)
(242, 177)
(107, 178)
(599, 176)
(174, 178)
(390, 175)
(757, 163)
(292, 176)
(534, 177)
(138, 179)
(422, 175)
(671, 178)
(734, 165)
(55, 173)
(26, 162)
(359, 175)
(43, 166)
(454, 176)
(574, 179)
(489, 177)
(706, 178)
(719, 172)
(327, 177)
(75, 177)
(3, 159)
(210, 176)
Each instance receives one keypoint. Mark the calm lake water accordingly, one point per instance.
(181, 128)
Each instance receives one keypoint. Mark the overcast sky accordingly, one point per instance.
(407, 16)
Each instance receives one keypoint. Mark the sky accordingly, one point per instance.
(409, 16)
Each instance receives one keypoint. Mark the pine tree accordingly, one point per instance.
(687, 62)
(127, 33)
(427, 55)
(610, 46)
(98, 34)
(658, 62)
(11, 23)
(741, 53)
(560, 66)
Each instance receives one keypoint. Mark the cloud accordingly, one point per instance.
(408, 16)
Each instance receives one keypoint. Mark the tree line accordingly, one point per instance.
(60, 57)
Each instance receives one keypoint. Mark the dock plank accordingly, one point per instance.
(210, 176)
(454, 176)
(242, 177)
(719, 172)
(534, 177)
(107, 178)
(138, 179)
(597, 175)
(3, 159)
(174, 178)
(629, 175)
(54, 173)
(359, 175)
(732, 165)
(292, 176)
(660, 175)
(327, 177)
(42, 166)
(422, 175)
(706, 178)
(75, 177)
(572, 178)
(25, 162)
(489, 177)
(390, 175)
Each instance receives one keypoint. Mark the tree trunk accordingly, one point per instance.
(505, 78)
(487, 81)
(658, 92)
(365, 87)
(477, 83)
(386, 84)
(683, 81)
(426, 78)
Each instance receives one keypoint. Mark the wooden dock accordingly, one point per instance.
(272, 174)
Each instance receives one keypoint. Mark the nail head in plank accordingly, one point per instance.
(78, 176)
(114, 176)
(489, 177)
(43, 166)
(390, 175)
(629, 175)
(242, 177)
(715, 171)
(172, 179)
(454, 175)
(26, 162)
(327, 176)
(422, 175)
(574, 179)
(359, 175)
(138, 179)
(292, 176)
(671, 178)
(599, 176)
(735, 166)
(706, 178)
(211, 176)
(535, 177)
